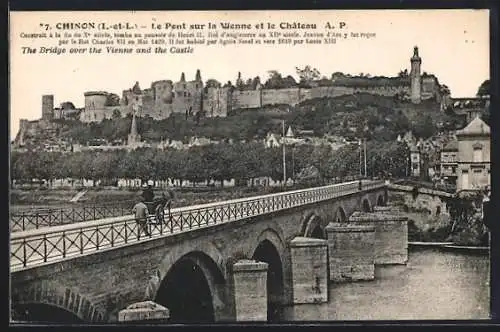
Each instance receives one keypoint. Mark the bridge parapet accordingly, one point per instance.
(53, 244)
(433, 192)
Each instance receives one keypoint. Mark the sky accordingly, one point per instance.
(453, 45)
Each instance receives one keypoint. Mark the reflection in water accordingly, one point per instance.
(434, 285)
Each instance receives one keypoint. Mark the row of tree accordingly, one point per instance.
(212, 162)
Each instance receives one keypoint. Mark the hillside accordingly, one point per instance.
(385, 118)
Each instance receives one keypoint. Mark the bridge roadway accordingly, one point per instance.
(48, 245)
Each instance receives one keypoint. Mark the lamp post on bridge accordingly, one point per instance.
(284, 155)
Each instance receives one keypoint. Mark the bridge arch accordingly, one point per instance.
(381, 200)
(269, 248)
(202, 268)
(48, 302)
(340, 215)
(193, 289)
(366, 205)
(313, 227)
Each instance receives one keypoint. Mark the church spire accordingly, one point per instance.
(183, 77)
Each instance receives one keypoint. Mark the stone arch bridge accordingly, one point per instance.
(90, 271)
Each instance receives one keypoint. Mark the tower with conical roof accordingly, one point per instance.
(183, 77)
(198, 76)
(415, 77)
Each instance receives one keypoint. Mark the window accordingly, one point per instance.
(478, 154)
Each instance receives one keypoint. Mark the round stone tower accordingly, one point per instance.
(415, 77)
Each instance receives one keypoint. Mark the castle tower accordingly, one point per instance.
(134, 136)
(198, 76)
(239, 81)
(183, 77)
(48, 107)
(136, 89)
(415, 78)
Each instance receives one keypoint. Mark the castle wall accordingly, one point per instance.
(187, 95)
(97, 115)
(387, 91)
(281, 96)
(131, 99)
(430, 88)
(95, 101)
(215, 102)
(330, 91)
(158, 112)
(304, 94)
(246, 99)
(162, 92)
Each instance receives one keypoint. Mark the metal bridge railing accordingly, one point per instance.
(50, 244)
(22, 221)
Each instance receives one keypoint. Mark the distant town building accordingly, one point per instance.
(474, 156)
(449, 162)
(272, 140)
(415, 161)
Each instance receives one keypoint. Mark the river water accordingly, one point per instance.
(435, 284)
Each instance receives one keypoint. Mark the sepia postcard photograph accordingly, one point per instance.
(198, 167)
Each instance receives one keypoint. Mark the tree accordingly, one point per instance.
(112, 99)
(212, 83)
(67, 105)
(403, 73)
(116, 113)
(484, 89)
(307, 74)
(444, 90)
(255, 82)
(274, 80)
(337, 74)
(425, 127)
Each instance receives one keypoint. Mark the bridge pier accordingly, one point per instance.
(391, 235)
(250, 290)
(309, 259)
(351, 252)
(387, 209)
(147, 311)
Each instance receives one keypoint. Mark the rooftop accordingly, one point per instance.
(475, 127)
(451, 146)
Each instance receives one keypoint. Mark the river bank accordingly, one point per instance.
(36, 199)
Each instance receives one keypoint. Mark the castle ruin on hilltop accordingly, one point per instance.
(165, 97)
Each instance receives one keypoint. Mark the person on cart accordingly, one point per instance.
(148, 196)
